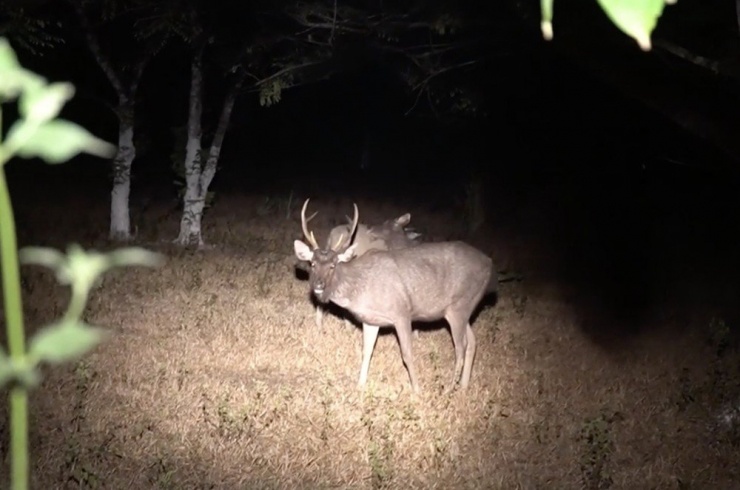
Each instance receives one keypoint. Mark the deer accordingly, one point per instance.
(427, 282)
(390, 235)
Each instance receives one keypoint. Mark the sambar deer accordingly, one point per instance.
(395, 287)
(392, 234)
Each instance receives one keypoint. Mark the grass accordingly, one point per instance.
(217, 377)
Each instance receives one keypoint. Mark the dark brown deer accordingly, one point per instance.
(395, 287)
(392, 234)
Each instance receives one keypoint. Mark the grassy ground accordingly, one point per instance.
(217, 377)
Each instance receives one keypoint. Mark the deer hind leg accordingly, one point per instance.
(469, 356)
(403, 331)
(369, 337)
(460, 340)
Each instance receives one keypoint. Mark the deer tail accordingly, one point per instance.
(492, 282)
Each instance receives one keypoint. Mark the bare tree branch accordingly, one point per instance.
(94, 46)
(681, 52)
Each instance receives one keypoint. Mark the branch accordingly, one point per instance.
(426, 80)
(139, 71)
(709, 64)
(92, 43)
(334, 23)
(285, 70)
(209, 169)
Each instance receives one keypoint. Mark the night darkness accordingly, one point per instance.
(602, 180)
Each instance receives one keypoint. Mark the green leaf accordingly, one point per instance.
(546, 22)
(47, 257)
(24, 373)
(43, 102)
(13, 77)
(636, 18)
(64, 341)
(8, 59)
(82, 268)
(135, 256)
(57, 141)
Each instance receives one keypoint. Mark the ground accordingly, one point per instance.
(612, 363)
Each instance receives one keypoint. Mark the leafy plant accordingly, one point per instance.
(39, 134)
(636, 18)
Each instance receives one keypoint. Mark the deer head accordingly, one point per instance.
(323, 261)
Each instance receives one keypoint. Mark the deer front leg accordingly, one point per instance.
(319, 316)
(369, 337)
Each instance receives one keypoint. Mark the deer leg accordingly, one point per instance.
(348, 325)
(403, 331)
(460, 341)
(469, 356)
(369, 337)
(319, 316)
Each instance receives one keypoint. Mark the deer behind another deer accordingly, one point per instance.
(395, 287)
(392, 234)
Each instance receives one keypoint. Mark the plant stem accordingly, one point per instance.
(16, 340)
(19, 437)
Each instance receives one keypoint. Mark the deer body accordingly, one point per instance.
(390, 235)
(426, 282)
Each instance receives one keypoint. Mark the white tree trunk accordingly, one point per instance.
(198, 175)
(120, 222)
(194, 198)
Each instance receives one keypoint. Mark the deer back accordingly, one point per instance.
(420, 282)
(365, 240)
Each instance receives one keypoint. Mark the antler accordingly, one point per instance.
(304, 224)
(344, 238)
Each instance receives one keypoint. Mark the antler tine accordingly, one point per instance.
(346, 238)
(335, 246)
(304, 224)
(355, 220)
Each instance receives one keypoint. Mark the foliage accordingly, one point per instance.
(636, 18)
(38, 133)
(29, 30)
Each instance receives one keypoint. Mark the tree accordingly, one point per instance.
(247, 48)
(29, 27)
(122, 53)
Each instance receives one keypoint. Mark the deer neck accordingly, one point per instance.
(341, 286)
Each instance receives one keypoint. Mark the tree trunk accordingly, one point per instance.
(120, 222)
(198, 176)
(218, 138)
(194, 198)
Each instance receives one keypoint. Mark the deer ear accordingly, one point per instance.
(302, 251)
(403, 220)
(348, 254)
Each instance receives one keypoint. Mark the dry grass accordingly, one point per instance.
(216, 377)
